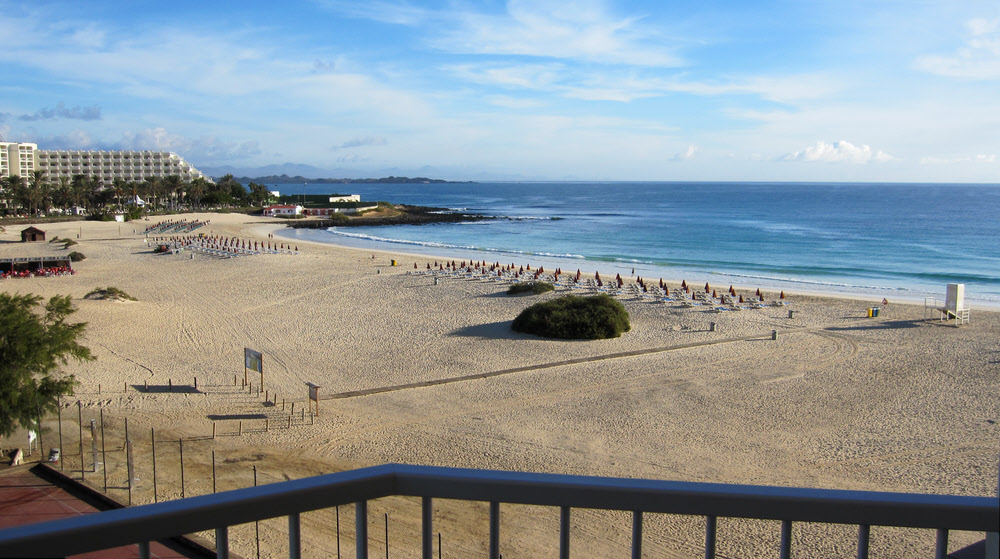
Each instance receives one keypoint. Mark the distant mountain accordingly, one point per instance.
(300, 172)
(285, 179)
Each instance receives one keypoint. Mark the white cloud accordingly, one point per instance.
(686, 155)
(512, 102)
(583, 30)
(362, 141)
(978, 158)
(839, 152)
(398, 13)
(576, 30)
(207, 148)
(978, 58)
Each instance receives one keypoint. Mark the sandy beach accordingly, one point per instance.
(838, 400)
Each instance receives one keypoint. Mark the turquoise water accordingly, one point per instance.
(903, 241)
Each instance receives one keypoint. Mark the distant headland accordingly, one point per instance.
(285, 179)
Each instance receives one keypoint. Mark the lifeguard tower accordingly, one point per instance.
(953, 307)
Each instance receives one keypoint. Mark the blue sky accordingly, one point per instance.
(799, 90)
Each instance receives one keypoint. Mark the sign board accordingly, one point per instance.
(253, 361)
(314, 395)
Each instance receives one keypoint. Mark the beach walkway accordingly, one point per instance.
(553, 364)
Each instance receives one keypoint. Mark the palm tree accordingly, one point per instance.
(197, 190)
(39, 191)
(173, 185)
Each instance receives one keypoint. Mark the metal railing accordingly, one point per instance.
(143, 524)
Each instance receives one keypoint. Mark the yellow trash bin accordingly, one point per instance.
(393, 262)
(869, 312)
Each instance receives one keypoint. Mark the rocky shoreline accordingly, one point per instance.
(412, 215)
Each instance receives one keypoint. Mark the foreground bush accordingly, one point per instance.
(536, 287)
(76, 256)
(574, 318)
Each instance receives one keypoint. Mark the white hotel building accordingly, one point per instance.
(105, 166)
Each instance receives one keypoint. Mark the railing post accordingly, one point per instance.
(637, 534)
(494, 530)
(564, 532)
(361, 529)
(711, 524)
(427, 527)
(222, 542)
(864, 535)
(786, 539)
(294, 536)
(941, 545)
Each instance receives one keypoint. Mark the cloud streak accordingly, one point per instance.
(839, 152)
(62, 111)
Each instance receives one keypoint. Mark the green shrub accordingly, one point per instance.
(76, 256)
(573, 317)
(54, 239)
(339, 218)
(109, 293)
(535, 287)
(69, 242)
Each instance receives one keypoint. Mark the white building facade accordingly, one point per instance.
(18, 159)
(105, 166)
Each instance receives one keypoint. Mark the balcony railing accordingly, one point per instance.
(143, 524)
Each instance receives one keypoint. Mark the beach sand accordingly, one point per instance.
(839, 400)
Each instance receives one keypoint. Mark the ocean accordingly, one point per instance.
(894, 241)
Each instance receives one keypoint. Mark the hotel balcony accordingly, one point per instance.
(709, 502)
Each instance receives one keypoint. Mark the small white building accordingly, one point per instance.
(282, 209)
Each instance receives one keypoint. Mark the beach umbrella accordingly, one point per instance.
(428, 265)
(541, 270)
(741, 298)
(782, 294)
(620, 282)
(706, 287)
(714, 296)
(758, 292)
(618, 277)
(600, 283)
(597, 275)
(578, 274)
(666, 291)
(684, 284)
(644, 290)
(661, 283)
(529, 267)
(731, 290)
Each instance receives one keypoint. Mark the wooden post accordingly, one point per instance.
(213, 430)
(130, 467)
(196, 383)
(213, 471)
(104, 453)
(241, 427)
(170, 383)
